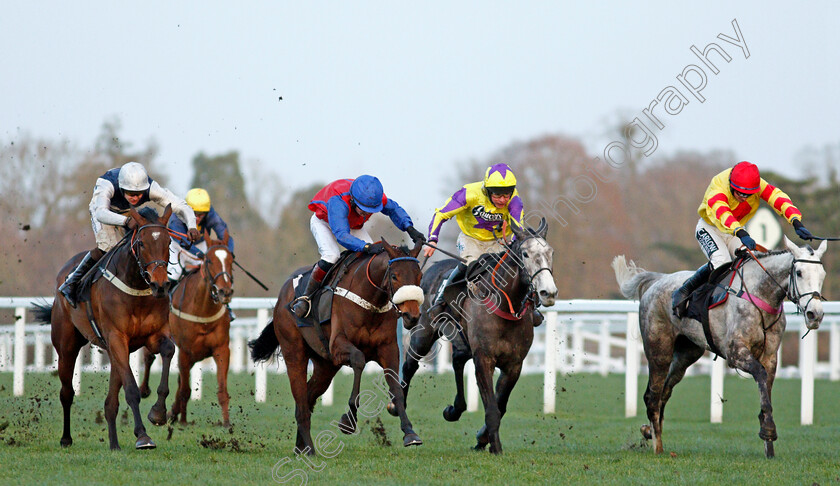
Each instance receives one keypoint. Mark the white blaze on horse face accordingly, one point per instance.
(538, 256)
(155, 235)
(222, 254)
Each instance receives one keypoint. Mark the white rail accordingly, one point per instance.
(579, 336)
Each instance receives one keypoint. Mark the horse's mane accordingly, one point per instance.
(772, 253)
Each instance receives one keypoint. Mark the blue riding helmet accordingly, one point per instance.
(367, 193)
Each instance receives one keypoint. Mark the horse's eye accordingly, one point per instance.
(525, 254)
(799, 273)
(393, 277)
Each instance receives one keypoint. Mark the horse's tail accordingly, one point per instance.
(42, 312)
(264, 347)
(632, 280)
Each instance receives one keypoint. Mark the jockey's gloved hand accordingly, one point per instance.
(801, 230)
(194, 235)
(746, 239)
(415, 235)
(373, 248)
(131, 224)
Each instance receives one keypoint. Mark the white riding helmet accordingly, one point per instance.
(133, 177)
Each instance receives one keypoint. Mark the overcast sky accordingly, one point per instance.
(405, 90)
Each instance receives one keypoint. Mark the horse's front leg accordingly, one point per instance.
(460, 356)
(744, 360)
(166, 348)
(504, 386)
(345, 353)
(221, 355)
(389, 359)
(121, 374)
(484, 366)
(148, 359)
(423, 337)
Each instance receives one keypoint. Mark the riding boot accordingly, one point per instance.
(455, 276)
(302, 305)
(68, 288)
(679, 299)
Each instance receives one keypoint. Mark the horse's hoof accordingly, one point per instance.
(646, 431)
(226, 424)
(495, 450)
(411, 439)
(145, 392)
(769, 450)
(392, 409)
(66, 442)
(451, 414)
(116, 447)
(157, 417)
(480, 446)
(346, 426)
(144, 442)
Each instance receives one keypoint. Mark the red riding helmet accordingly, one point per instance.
(745, 178)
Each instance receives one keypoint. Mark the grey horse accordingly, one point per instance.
(747, 336)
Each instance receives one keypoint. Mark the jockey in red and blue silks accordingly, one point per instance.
(730, 200)
(341, 210)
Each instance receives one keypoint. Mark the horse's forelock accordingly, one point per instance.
(149, 214)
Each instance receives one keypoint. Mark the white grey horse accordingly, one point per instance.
(746, 332)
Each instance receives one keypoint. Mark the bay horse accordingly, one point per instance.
(377, 290)
(747, 331)
(199, 323)
(130, 308)
(491, 323)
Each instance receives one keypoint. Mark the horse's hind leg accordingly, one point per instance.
(166, 348)
(221, 356)
(504, 386)
(68, 353)
(460, 356)
(148, 359)
(658, 366)
(686, 353)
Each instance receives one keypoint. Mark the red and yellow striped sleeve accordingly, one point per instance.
(779, 201)
(720, 213)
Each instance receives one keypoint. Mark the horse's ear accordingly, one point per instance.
(167, 213)
(206, 234)
(416, 250)
(790, 245)
(518, 232)
(388, 248)
(542, 229)
(225, 237)
(821, 249)
(135, 215)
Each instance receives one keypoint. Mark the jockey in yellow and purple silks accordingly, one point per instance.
(481, 209)
(731, 200)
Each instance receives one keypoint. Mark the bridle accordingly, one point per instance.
(791, 292)
(135, 241)
(386, 280)
(211, 280)
(528, 280)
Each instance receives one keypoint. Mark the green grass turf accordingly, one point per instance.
(587, 441)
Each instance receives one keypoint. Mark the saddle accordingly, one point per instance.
(710, 295)
(321, 301)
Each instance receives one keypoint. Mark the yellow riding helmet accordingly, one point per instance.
(499, 177)
(199, 200)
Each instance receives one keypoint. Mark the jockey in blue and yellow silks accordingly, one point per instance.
(341, 210)
(729, 202)
(483, 210)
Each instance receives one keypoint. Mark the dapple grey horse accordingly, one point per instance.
(747, 335)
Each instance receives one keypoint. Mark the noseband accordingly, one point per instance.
(796, 297)
(135, 240)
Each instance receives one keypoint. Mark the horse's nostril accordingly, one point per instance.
(810, 315)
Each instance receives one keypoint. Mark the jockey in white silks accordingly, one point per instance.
(115, 192)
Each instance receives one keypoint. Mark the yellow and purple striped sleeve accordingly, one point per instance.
(779, 201)
(454, 205)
